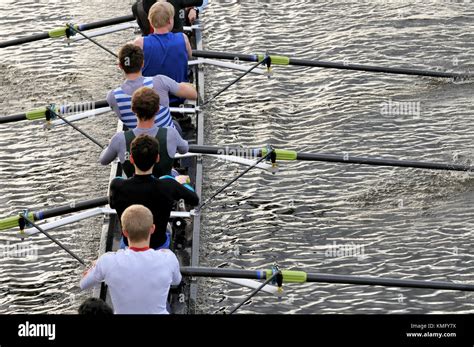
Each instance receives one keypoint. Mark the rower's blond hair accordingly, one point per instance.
(137, 220)
(160, 14)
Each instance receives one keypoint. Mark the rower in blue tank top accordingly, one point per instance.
(166, 53)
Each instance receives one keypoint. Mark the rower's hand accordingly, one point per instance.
(183, 179)
(192, 15)
(89, 268)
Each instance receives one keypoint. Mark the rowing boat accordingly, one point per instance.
(185, 226)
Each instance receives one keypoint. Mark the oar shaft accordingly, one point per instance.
(332, 158)
(70, 208)
(225, 55)
(282, 60)
(216, 272)
(84, 106)
(225, 150)
(13, 118)
(387, 282)
(371, 68)
(22, 40)
(59, 32)
(41, 112)
(347, 159)
(106, 23)
(13, 221)
(290, 276)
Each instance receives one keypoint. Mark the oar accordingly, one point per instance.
(333, 158)
(13, 221)
(64, 31)
(283, 60)
(41, 112)
(290, 276)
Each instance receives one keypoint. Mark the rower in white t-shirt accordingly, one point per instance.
(139, 278)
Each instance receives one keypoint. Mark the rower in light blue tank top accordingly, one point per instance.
(165, 54)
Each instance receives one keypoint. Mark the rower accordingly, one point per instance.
(145, 104)
(131, 61)
(95, 307)
(192, 13)
(157, 194)
(182, 11)
(166, 53)
(138, 278)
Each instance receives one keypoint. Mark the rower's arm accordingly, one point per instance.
(188, 46)
(113, 103)
(182, 90)
(94, 276)
(138, 42)
(186, 91)
(111, 152)
(176, 275)
(176, 143)
(186, 192)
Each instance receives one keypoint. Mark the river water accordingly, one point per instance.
(313, 216)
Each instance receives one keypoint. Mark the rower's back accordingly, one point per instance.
(165, 165)
(145, 104)
(166, 53)
(138, 278)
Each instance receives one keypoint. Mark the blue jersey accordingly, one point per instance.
(166, 54)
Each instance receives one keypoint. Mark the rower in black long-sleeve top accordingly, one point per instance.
(157, 194)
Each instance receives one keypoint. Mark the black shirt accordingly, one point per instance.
(156, 194)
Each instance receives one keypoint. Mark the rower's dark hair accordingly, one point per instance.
(131, 58)
(144, 150)
(145, 103)
(95, 307)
